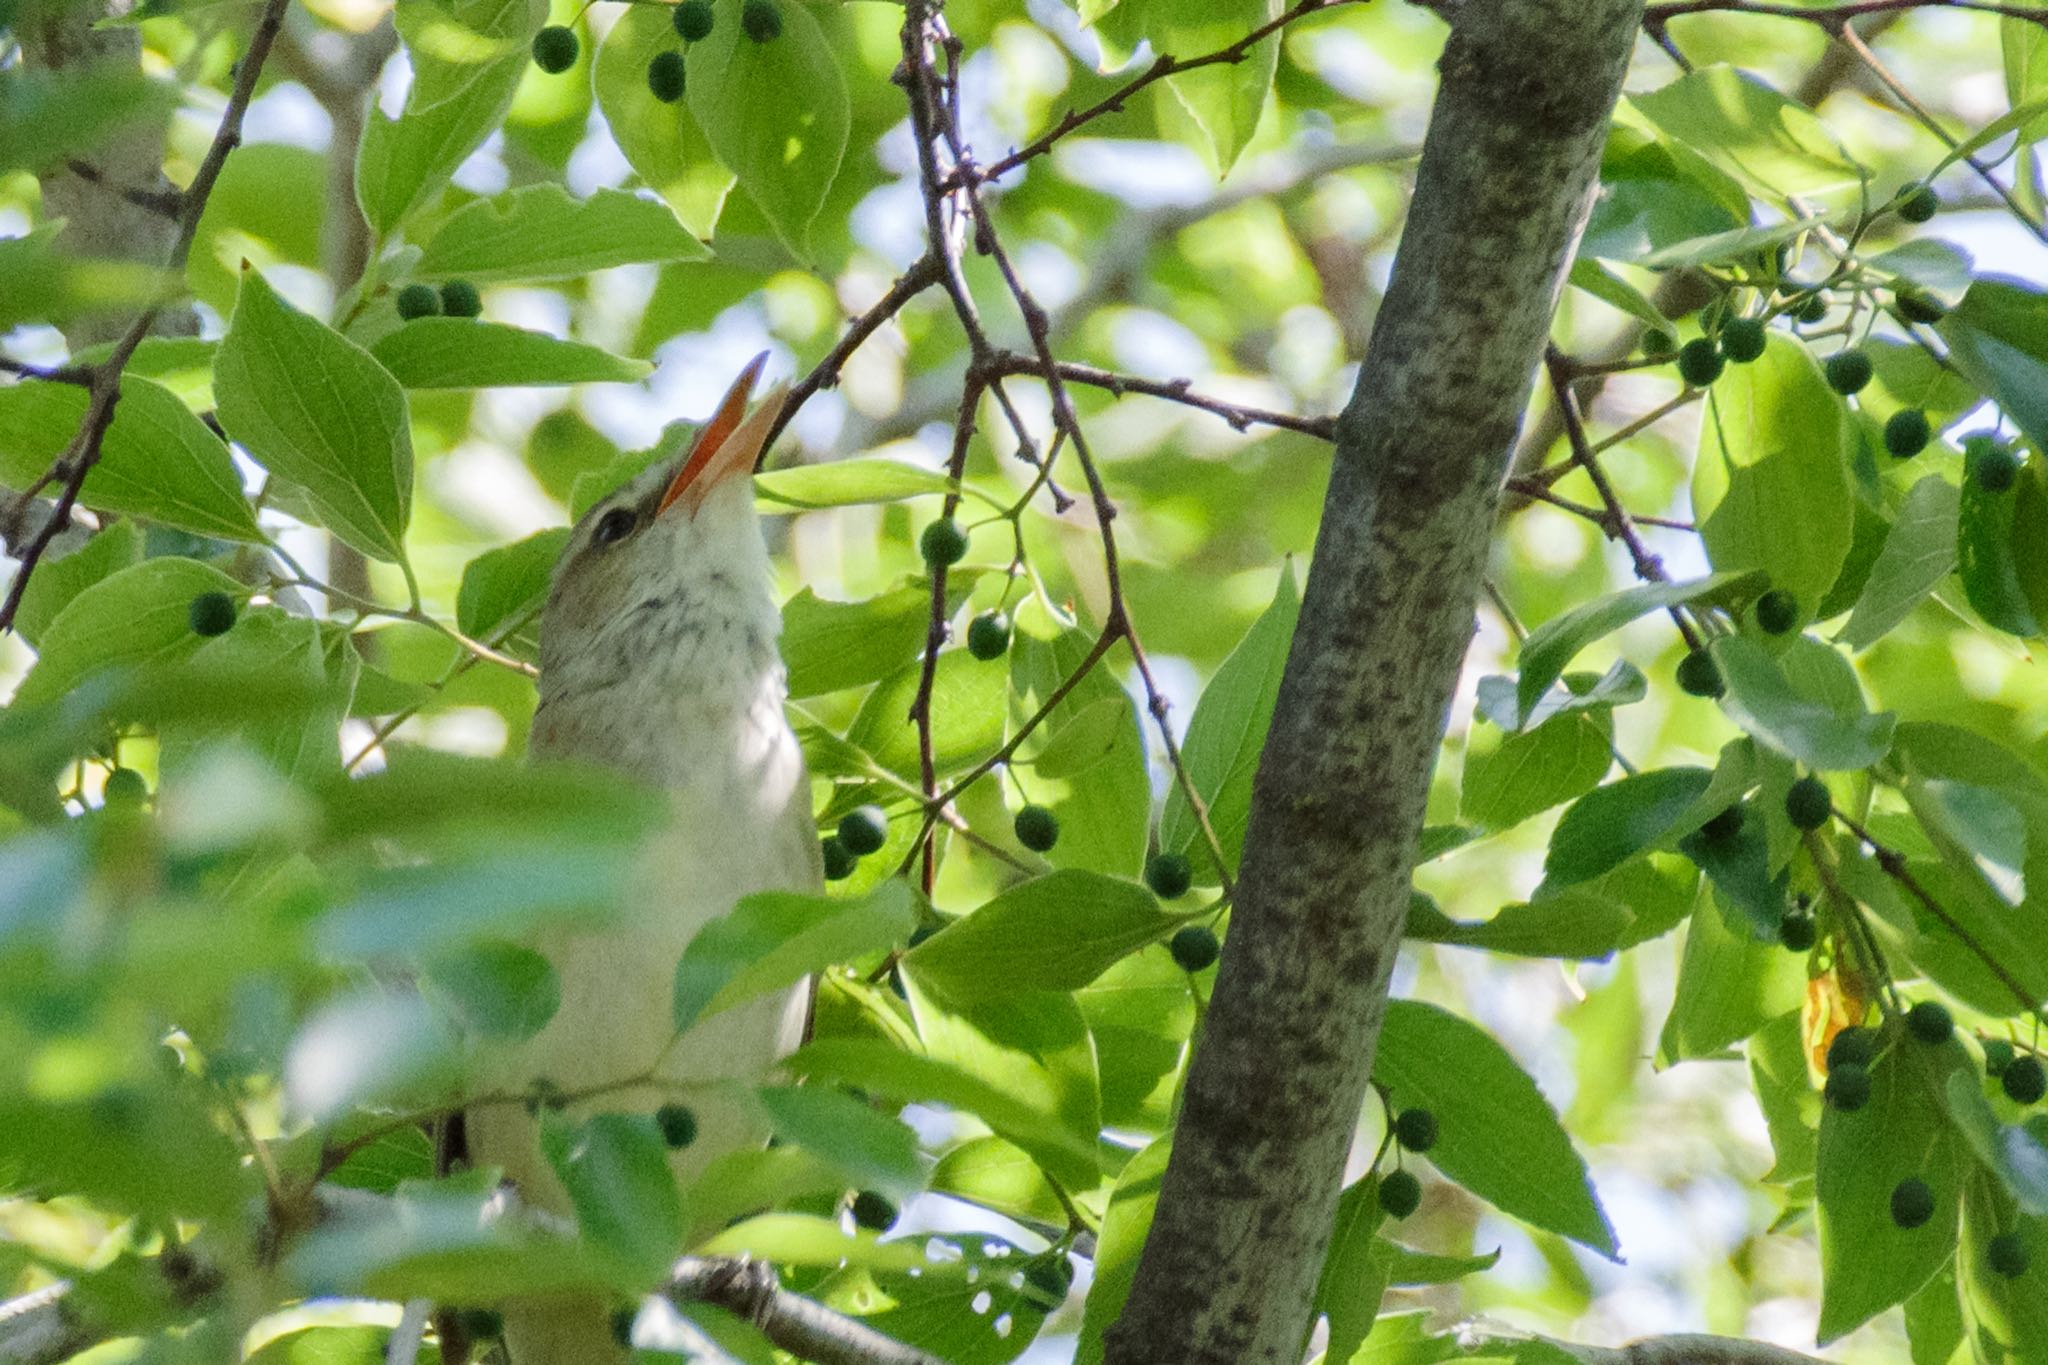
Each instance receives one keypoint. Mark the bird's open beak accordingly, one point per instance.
(729, 443)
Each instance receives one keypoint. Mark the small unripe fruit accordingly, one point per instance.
(1906, 433)
(1853, 1047)
(1930, 1022)
(678, 1125)
(2006, 1254)
(943, 543)
(1847, 371)
(1992, 465)
(1723, 826)
(1915, 306)
(1807, 803)
(1848, 1087)
(1657, 342)
(1797, 932)
(555, 48)
(761, 20)
(1812, 308)
(459, 299)
(1742, 340)
(1415, 1129)
(988, 636)
(875, 1212)
(1400, 1194)
(418, 301)
(1998, 1055)
(665, 77)
(211, 613)
(1916, 202)
(1912, 1202)
(1169, 875)
(124, 787)
(839, 859)
(1777, 611)
(864, 830)
(692, 19)
(2025, 1080)
(1700, 362)
(1699, 675)
(1037, 828)
(1194, 948)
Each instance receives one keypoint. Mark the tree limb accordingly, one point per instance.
(803, 1327)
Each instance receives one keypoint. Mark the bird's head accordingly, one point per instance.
(671, 565)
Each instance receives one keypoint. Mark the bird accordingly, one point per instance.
(659, 659)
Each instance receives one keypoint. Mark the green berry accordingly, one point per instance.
(1912, 1202)
(124, 787)
(459, 299)
(1169, 875)
(1658, 342)
(988, 635)
(1400, 1194)
(554, 49)
(1853, 1047)
(1797, 932)
(1415, 1129)
(1742, 340)
(418, 301)
(1723, 826)
(1194, 948)
(678, 1125)
(943, 543)
(761, 20)
(2006, 1254)
(1777, 611)
(1906, 433)
(1699, 675)
(211, 613)
(1916, 202)
(1847, 371)
(1037, 828)
(1848, 1087)
(2025, 1080)
(1812, 308)
(692, 19)
(1991, 464)
(1807, 803)
(1915, 306)
(839, 859)
(864, 830)
(665, 76)
(1930, 1022)
(1700, 362)
(1998, 1055)
(875, 1212)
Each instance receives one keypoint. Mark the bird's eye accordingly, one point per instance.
(614, 526)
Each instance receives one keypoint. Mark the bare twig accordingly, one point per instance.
(1238, 415)
(922, 275)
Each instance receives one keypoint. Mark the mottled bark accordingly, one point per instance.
(1274, 1092)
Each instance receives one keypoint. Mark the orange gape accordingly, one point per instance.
(1836, 999)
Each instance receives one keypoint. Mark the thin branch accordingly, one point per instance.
(1238, 415)
(803, 1327)
(922, 275)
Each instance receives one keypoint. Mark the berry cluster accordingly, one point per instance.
(555, 47)
(455, 299)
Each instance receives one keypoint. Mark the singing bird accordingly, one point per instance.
(658, 658)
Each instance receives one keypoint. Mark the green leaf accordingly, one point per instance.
(775, 113)
(1497, 1136)
(1000, 1176)
(1084, 740)
(1354, 1275)
(47, 116)
(832, 645)
(2014, 1153)
(615, 1170)
(497, 990)
(257, 213)
(1522, 774)
(1497, 697)
(847, 483)
(464, 353)
(1654, 193)
(973, 1305)
(1770, 489)
(1141, 1013)
(1904, 375)
(1612, 290)
(969, 701)
(1552, 646)
(1941, 269)
(1569, 924)
(41, 284)
(396, 1156)
(1819, 731)
(774, 939)
(875, 1150)
(1020, 1116)
(1919, 552)
(1409, 1268)
(1998, 337)
(1773, 145)
(1611, 824)
(1790, 1104)
(138, 615)
(666, 150)
(1124, 1229)
(1868, 1262)
(540, 232)
(2010, 1313)
(157, 462)
(1739, 868)
(1057, 932)
(1984, 828)
(60, 578)
(504, 589)
(318, 411)
(150, 1150)
(1730, 984)
(1228, 731)
(1735, 245)
(1223, 100)
(467, 57)
(1989, 537)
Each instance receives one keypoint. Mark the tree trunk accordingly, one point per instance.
(1275, 1089)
